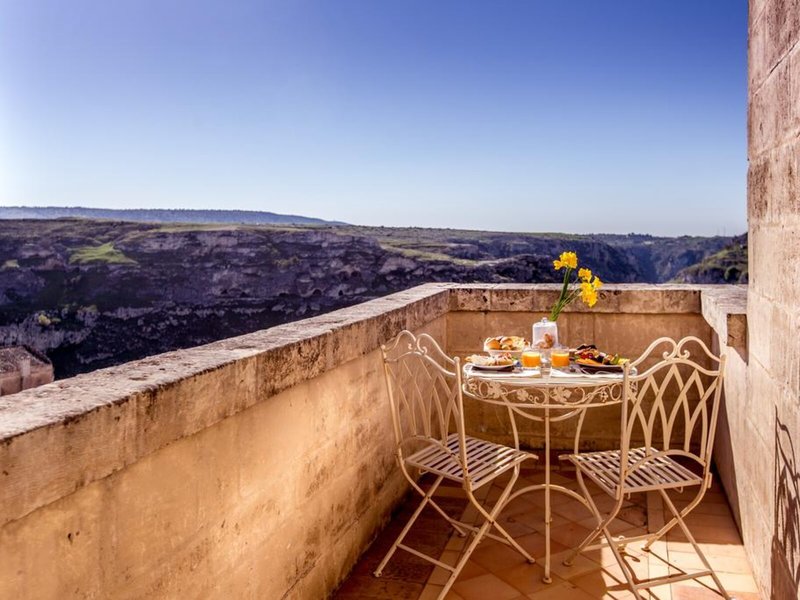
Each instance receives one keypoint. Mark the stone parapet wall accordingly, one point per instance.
(11, 383)
(766, 441)
(625, 321)
(22, 368)
(258, 466)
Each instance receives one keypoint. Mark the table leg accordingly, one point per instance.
(547, 514)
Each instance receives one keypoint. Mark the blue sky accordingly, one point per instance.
(584, 116)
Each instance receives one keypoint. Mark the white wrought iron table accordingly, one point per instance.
(550, 397)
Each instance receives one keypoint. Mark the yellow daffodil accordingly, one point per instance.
(585, 285)
(566, 260)
(588, 294)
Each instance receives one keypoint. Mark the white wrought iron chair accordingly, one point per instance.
(672, 407)
(424, 387)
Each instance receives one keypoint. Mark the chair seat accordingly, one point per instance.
(485, 460)
(663, 472)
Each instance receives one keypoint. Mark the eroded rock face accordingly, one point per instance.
(94, 293)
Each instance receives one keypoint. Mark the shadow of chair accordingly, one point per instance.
(785, 559)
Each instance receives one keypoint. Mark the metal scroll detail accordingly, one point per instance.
(544, 394)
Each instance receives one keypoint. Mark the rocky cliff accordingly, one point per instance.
(729, 265)
(97, 293)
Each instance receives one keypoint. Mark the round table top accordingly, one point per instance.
(535, 377)
(558, 389)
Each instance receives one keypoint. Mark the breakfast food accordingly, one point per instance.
(505, 343)
(502, 360)
(589, 355)
(547, 341)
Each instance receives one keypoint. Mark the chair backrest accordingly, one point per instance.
(424, 386)
(672, 404)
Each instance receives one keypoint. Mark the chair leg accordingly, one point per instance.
(602, 523)
(679, 518)
(457, 525)
(479, 535)
(626, 570)
(426, 499)
(636, 586)
(492, 515)
(490, 520)
(513, 543)
(674, 521)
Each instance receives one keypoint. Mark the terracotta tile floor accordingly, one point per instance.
(496, 572)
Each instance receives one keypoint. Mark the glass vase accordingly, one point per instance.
(545, 334)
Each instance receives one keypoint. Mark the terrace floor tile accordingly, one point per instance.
(497, 572)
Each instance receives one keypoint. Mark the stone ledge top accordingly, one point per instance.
(59, 437)
(725, 309)
(614, 298)
(66, 399)
(367, 325)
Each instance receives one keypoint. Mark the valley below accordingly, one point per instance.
(94, 293)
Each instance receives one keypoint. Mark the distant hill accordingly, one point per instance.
(94, 293)
(729, 265)
(159, 215)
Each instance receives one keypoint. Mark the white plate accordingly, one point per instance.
(492, 367)
(514, 353)
(591, 369)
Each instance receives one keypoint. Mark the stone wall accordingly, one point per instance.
(770, 433)
(725, 310)
(625, 321)
(259, 466)
(22, 368)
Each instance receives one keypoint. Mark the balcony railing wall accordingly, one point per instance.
(259, 466)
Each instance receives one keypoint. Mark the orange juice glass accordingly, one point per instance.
(559, 358)
(531, 359)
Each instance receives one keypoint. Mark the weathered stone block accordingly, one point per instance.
(770, 112)
(757, 45)
(466, 332)
(472, 298)
(509, 323)
(511, 298)
(725, 309)
(759, 177)
(782, 22)
(794, 89)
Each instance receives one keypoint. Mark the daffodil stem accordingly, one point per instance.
(564, 298)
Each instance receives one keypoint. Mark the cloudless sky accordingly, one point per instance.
(518, 115)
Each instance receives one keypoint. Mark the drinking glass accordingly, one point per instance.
(559, 357)
(531, 359)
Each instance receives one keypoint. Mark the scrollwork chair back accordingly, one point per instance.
(671, 407)
(424, 387)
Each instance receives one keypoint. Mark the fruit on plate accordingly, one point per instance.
(588, 354)
(502, 360)
(506, 343)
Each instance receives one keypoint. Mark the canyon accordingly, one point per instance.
(94, 293)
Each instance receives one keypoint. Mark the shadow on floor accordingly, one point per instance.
(496, 572)
(404, 577)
